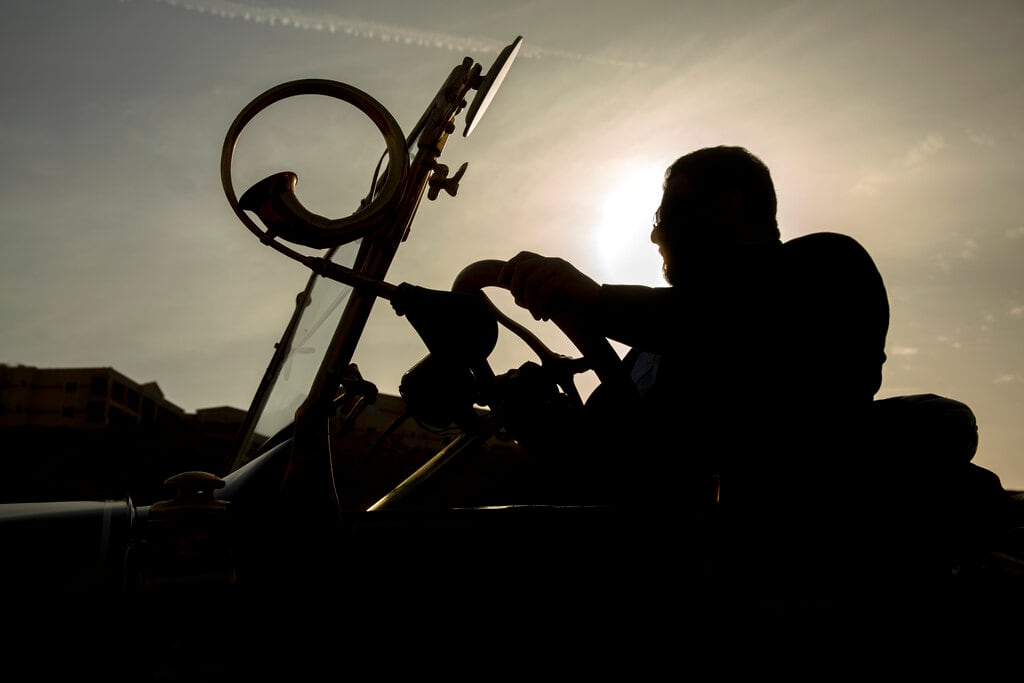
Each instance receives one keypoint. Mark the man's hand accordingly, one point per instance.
(548, 286)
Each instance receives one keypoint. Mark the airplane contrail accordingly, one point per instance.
(388, 33)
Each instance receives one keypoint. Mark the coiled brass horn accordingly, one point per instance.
(273, 199)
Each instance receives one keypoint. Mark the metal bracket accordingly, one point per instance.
(439, 180)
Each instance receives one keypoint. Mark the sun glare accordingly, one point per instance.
(622, 238)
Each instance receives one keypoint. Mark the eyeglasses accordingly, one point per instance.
(656, 222)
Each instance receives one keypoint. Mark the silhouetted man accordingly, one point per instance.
(756, 366)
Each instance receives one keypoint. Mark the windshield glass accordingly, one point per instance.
(300, 352)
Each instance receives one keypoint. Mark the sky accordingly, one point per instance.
(898, 123)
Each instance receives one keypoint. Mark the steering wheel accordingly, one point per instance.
(598, 354)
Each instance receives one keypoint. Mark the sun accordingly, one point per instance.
(621, 240)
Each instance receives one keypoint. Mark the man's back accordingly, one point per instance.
(760, 398)
(838, 318)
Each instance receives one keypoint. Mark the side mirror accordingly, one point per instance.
(490, 83)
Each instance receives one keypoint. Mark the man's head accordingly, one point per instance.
(715, 200)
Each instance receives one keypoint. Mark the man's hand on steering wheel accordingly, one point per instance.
(549, 287)
(553, 289)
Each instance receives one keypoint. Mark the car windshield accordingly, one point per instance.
(299, 353)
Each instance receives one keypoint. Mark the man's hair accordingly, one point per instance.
(723, 171)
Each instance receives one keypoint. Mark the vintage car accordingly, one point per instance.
(321, 549)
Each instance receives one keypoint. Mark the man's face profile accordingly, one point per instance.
(680, 225)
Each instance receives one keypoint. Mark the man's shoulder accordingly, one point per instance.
(823, 240)
(826, 252)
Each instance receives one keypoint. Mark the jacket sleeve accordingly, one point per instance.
(639, 316)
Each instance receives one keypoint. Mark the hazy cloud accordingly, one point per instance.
(982, 139)
(1015, 233)
(986, 323)
(914, 158)
(969, 251)
(1017, 312)
(870, 184)
(904, 351)
(289, 17)
(1007, 378)
(922, 151)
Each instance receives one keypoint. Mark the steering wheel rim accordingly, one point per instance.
(595, 348)
(598, 354)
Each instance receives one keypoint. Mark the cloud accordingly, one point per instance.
(1017, 312)
(916, 157)
(982, 139)
(969, 251)
(904, 351)
(922, 151)
(1007, 378)
(293, 18)
(871, 184)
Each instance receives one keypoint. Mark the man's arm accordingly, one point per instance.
(552, 287)
(548, 286)
(646, 318)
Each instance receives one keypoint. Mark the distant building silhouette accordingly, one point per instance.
(79, 398)
(95, 433)
(86, 433)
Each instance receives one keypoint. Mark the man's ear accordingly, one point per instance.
(729, 211)
(734, 206)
